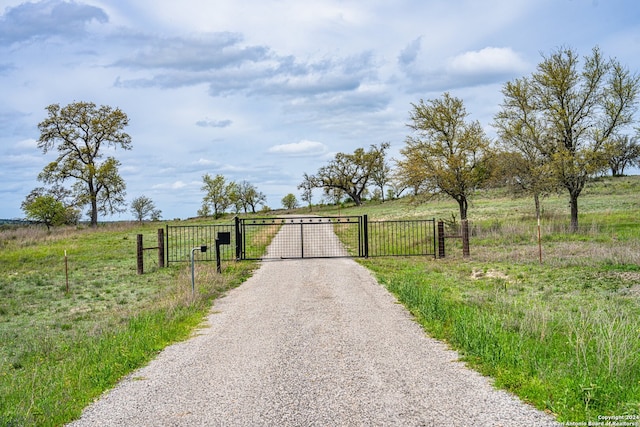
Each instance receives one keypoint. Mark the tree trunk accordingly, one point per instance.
(462, 203)
(93, 197)
(94, 210)
(573, 204)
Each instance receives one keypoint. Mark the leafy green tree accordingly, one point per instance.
(447, 154)
(290, 201)
(80, 132)
(216, 194)
(143, 207)
(232, 190)
(381, 176)
(60, 194)
(350, 173)
(204, 211)
(45, 210)
(577, 110)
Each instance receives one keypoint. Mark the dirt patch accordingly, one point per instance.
(629, 276)
(489, 274)
(633, 291)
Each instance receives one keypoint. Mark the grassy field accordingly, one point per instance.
(60, 350)
(563, 334)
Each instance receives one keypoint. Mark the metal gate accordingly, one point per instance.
(305, 237)
(301, 237)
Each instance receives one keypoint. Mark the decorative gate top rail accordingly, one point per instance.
(305, 237)
(302, 237)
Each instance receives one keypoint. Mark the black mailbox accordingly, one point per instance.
(223, 238)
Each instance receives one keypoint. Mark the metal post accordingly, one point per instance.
(202, 248)
(433, 229)
(365, 237)
(218, 264)
(301, 239)
(66, 269)
(238, 239)
(465, 238)
(160, 248)
(440, 239)
(167, 242)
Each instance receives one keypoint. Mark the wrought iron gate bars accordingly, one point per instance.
(306, 237)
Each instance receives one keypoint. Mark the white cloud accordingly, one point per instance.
(29, 144)
(490, 60)
(205, 162)
(211, 88)
(177, 185)
(303, 148)
(207, 123)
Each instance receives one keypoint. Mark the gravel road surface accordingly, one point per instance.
(313, 342)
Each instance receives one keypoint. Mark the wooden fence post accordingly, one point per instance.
(140, 257)
(465, 238)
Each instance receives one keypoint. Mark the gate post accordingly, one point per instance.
(166, 244)
(365, 235)
(160, 247)
(238, 234)
(440, 239)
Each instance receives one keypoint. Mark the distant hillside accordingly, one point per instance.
(13, 221)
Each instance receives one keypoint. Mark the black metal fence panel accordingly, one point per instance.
(402, 238)
(305, 237)
(181, 239)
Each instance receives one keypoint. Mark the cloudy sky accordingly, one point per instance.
(265, 90)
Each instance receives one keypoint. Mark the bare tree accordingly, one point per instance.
(622, 151)
(250, 197)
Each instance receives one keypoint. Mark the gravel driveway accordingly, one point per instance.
(313, 342)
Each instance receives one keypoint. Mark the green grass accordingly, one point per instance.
(566, 340)
(563, 334)
(60, 350)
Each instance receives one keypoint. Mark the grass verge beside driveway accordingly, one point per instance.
(61, 350)
(566, 339)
